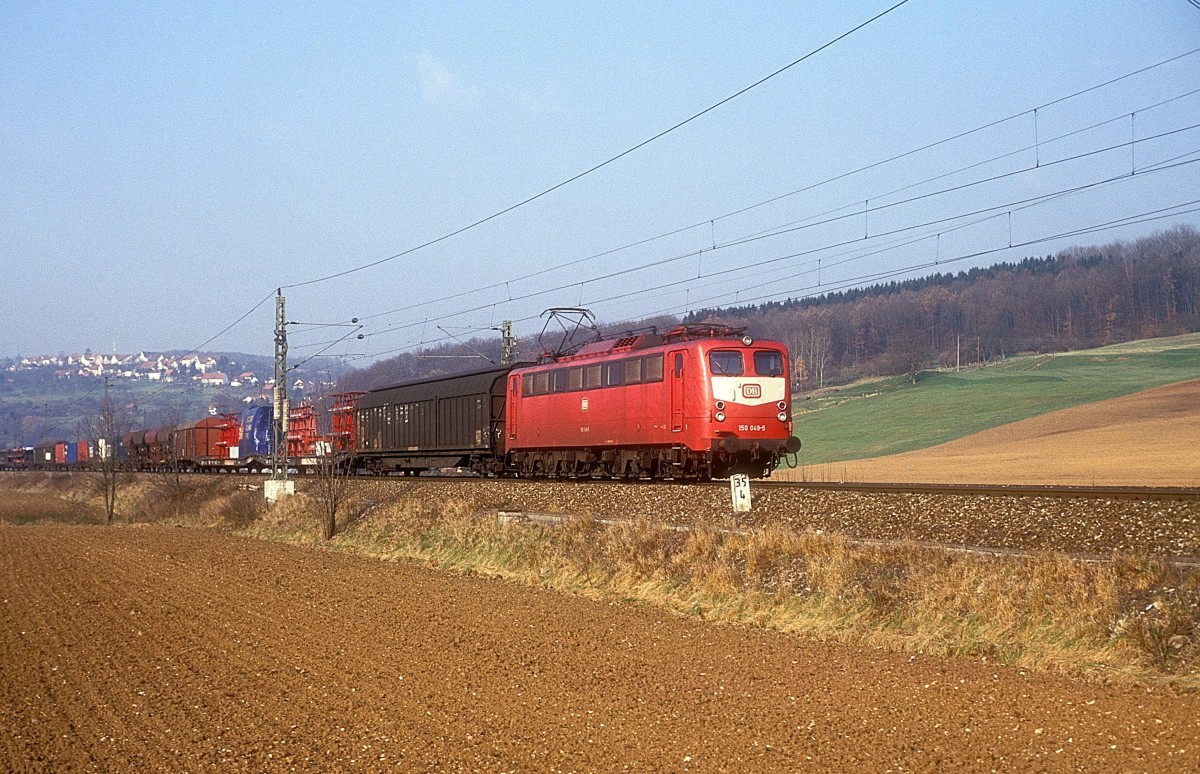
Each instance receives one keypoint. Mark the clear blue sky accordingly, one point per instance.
(166, 166)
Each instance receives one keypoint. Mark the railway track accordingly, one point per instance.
(1077, 521)
(1084, 522)
(1184, 494)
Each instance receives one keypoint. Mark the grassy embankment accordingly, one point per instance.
(890, 416)
(1130, 618)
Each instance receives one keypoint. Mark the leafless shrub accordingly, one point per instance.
(1159, 613)
(241, 509)
(581, 544)
(642, 547)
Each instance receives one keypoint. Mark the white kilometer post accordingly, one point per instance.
(739, 488)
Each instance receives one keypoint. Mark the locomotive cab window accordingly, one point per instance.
(726, 363)
(541, 383)
(768, 363)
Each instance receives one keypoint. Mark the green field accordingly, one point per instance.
(890, 416)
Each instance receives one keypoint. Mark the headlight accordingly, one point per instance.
(720, 416)
(782, 416)
(782, 405)
(720, 405)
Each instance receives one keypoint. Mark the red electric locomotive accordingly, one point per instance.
(698, 402)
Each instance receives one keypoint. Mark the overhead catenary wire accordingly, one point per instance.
(989, 160)
(827, 287)
(834, 219)
(890, 273)
(1001, 210)
(873, 165)
(996, 210)
(1175, 210)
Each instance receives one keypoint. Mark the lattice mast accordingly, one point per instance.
(279, 470)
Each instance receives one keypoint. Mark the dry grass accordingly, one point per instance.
(37, 498)
(1129, 617)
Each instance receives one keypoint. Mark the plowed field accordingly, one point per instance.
(169, 649)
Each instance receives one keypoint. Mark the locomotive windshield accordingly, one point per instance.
(726, 363)
(768, 363)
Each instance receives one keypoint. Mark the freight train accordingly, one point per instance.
(695, 403)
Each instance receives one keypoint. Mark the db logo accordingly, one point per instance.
(751, 391)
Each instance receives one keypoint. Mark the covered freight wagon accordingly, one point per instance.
(43, 456)
(198, 441)
(161, 449)
(449, 421)
(135, 447)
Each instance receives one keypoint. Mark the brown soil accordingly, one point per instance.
(159, 648)
(1148, 439)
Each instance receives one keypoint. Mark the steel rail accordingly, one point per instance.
(1186, 494)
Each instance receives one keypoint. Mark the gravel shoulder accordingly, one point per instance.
(1166, 528)
(162, 648)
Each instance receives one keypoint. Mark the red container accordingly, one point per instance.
(229, 436)
(198, 440)
(342, 437)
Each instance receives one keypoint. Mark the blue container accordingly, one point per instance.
(258, 431)
(72, 453)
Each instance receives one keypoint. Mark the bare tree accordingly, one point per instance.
(911, 353)
(820, 344)
(332, 466)
(172, 448)
(107, 430)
